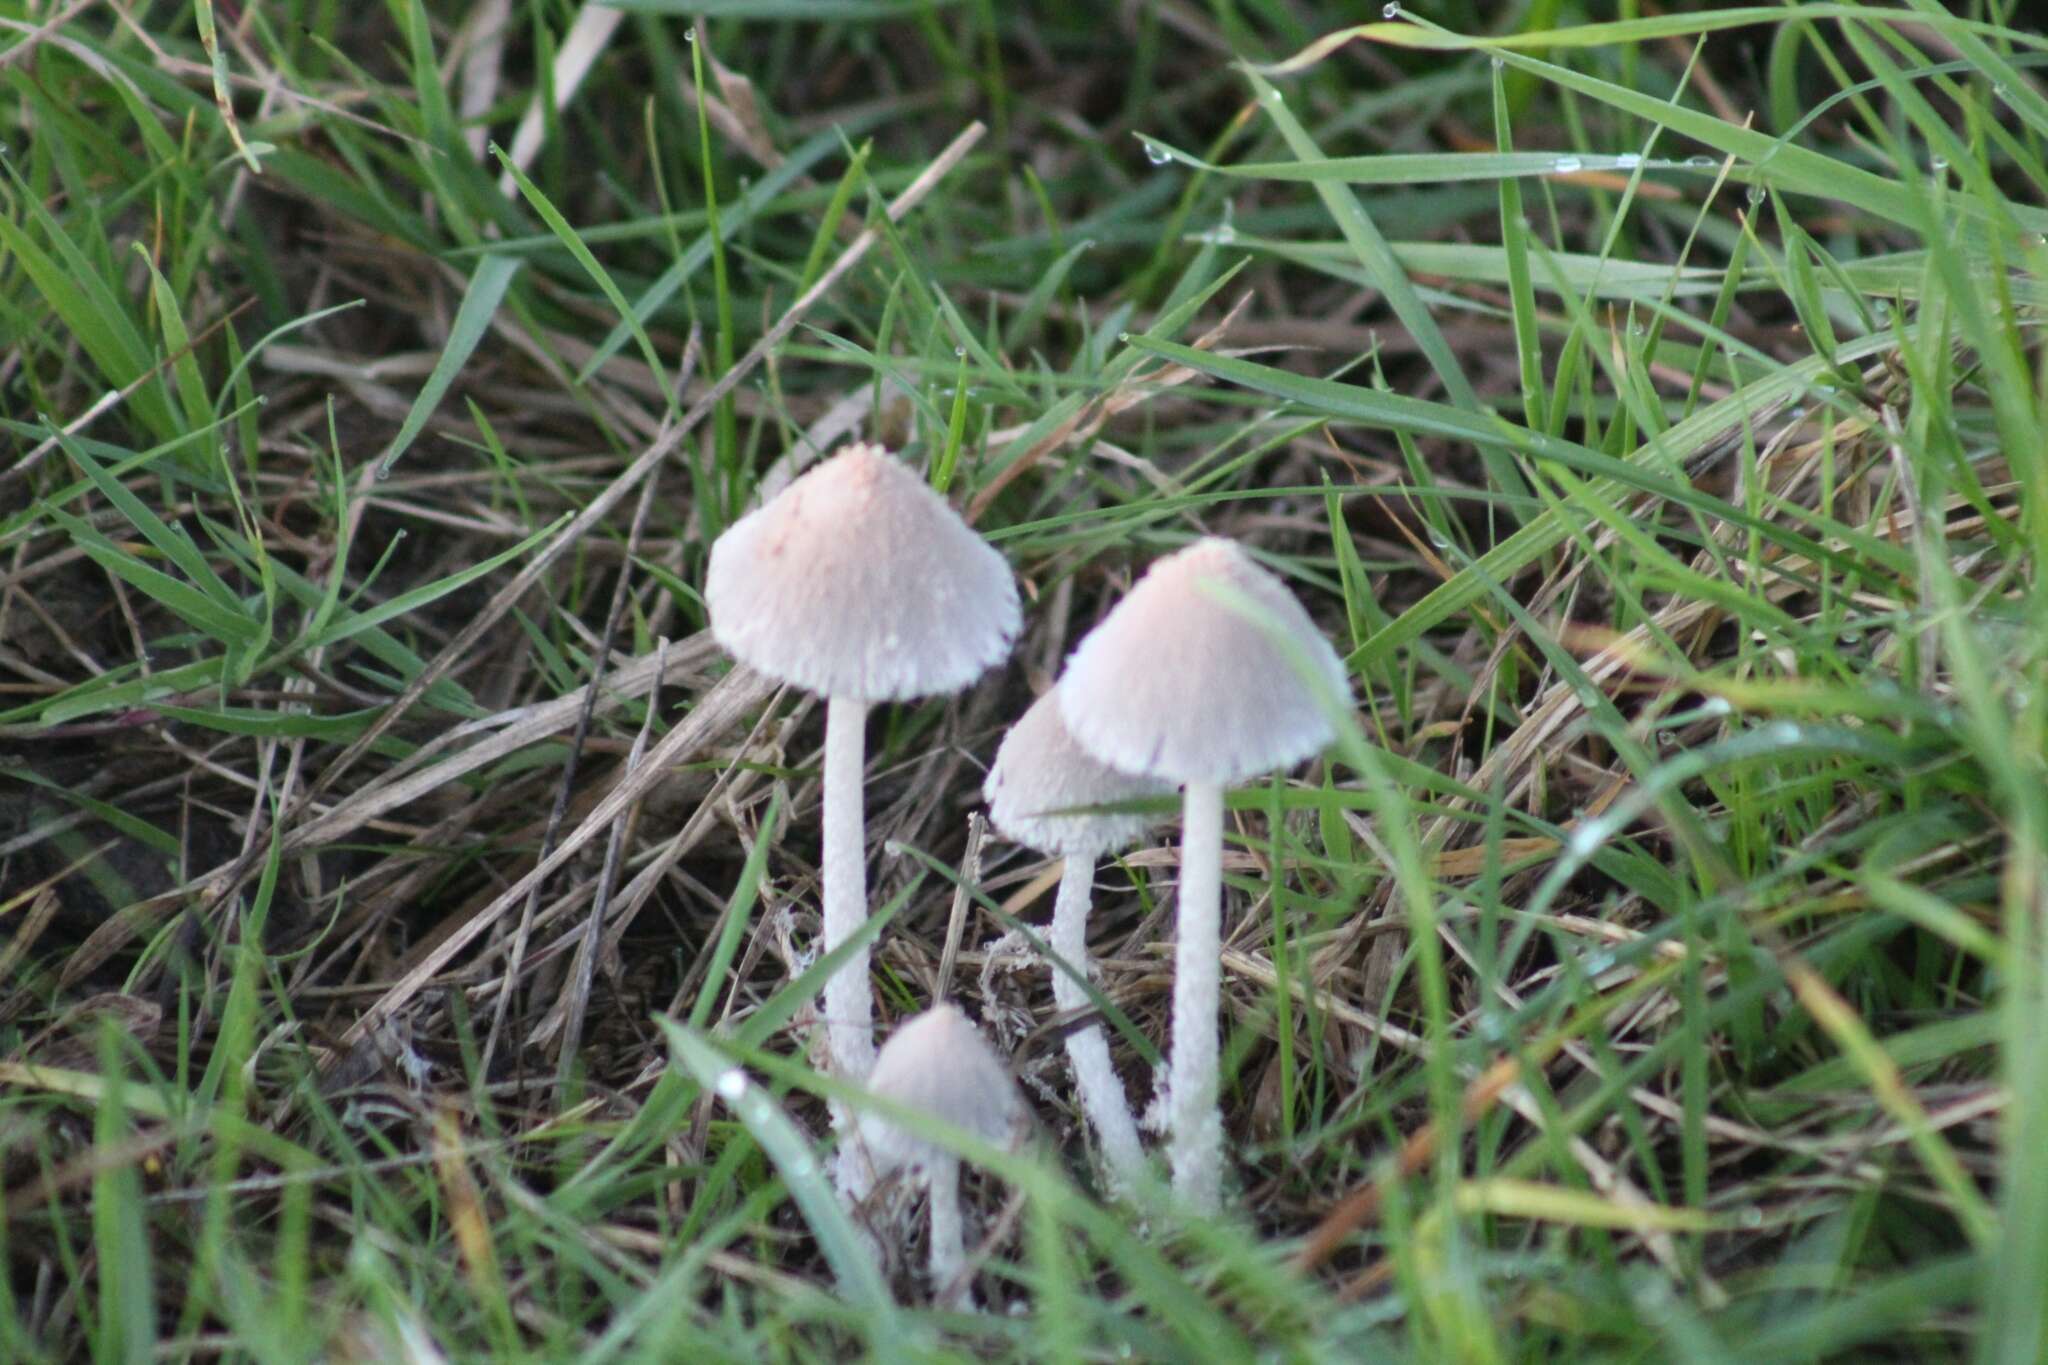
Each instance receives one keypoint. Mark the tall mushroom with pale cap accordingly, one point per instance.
(861, 584)
(1039, 779)
(939, 1064)
(1209, 672)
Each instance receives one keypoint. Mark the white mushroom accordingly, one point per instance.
(939, 1064)
(1039, 776)
(1209, 672)
(859, 583)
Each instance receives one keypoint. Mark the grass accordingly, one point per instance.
(410, 916)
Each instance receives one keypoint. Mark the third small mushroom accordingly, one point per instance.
(1043, 792)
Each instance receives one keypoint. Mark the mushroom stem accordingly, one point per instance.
(950, 1285)
(849, 1000)
(1194, 1125)
(1102, 1094)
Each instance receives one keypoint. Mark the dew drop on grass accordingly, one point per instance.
(1499, 63)
(689, 35)
(1565, 165)
(1390, 10)
(1439, 539)
(1156, 154)
(1785, 732)
(1123, 336)
(1717, 706)
(1628, 161)
(1225, 235)
(1751, 1217)
(1756, 194)
(960, 353)
(732, 1084)
(1940, 164)
(1700, 163)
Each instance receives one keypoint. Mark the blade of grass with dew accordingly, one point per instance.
(803, 1175)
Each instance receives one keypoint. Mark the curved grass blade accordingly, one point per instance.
(803, 1175)
(479, 305)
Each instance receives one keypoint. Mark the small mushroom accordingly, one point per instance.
(939, 1064)
(1207, 673)
(1040, 775)
(859, 583)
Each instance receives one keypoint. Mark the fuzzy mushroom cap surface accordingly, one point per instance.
(1039, 772)
(1185, 680)
(859, 581)
(939, 1063)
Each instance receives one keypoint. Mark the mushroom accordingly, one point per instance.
(1040, 776)
(859, 583)
(939, 1064)
(1207, 673)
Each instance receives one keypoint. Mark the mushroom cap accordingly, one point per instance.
(1180, 682)
(939, 1063)
(1039, 771)
(857, 580)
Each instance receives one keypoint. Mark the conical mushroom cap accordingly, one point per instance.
(1180, 682)
(859, 581)
(1039, 771)
(939, 1063)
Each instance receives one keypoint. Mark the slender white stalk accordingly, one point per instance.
(1194, 1125)
(853, 1174)
(950, 1285)
(849, 998)
(1102, 1093)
